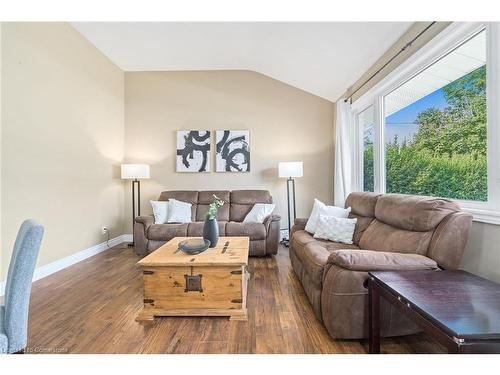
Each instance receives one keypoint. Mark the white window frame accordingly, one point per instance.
(438, 47)
(359, 178)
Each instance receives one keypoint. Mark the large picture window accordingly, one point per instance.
(432, 126)
(435, 128)
(365, 121)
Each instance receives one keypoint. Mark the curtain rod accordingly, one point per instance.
(409, 44)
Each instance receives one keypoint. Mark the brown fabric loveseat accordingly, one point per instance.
(393, 232)
(264, 238)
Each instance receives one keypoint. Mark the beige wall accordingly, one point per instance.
(62, 138)
(482, 255)
(286, 124)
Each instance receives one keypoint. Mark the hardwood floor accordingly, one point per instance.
(91, 308)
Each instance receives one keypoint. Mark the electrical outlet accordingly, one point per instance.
(104, 229)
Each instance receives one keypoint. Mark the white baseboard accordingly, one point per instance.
(128, 238)
(60, 264)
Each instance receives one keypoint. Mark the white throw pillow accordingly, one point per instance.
(329, 210)
(259, 212)
(160, 211)
(178, 212)
(341, 213)
(335, 229)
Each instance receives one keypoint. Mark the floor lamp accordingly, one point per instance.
(289, 170)
(135, 172)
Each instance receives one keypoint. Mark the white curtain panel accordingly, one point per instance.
(343, 176)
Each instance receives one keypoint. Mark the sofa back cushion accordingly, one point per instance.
(207, 197)
(405, 223)
(413, 212)
(401, 223)
(362, 208)
(238, 202)
(362, 203)
(362, 225)
(242, 202)
(384, 237)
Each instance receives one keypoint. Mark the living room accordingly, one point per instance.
(249, 186)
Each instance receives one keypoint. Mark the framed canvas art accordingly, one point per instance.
(193, 151)
(232, 151)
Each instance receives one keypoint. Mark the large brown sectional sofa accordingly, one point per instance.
(264, 238)
(393, 232)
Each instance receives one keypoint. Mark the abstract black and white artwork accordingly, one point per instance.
(233, 151)
(193, 151)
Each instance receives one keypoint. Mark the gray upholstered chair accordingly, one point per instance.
(14, 315)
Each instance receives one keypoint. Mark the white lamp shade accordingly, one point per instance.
(135, 171)
(290, 169)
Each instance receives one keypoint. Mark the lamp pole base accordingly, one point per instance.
(285, 241)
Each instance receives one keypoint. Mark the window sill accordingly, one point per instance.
(484, 215)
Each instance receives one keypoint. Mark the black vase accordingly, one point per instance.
(211, 231)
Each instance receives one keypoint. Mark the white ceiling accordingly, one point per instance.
(321, 58)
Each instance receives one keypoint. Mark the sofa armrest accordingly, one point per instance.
(272, 223)
(368, 260)
(268, 220)
(141, 226)
(299, 224)
(145, 220)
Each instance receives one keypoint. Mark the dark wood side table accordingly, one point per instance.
(459, 310)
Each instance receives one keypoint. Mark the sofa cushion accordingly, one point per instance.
(361, 226)
(382, 237)
(302, 238)
(187, 196)
(367, 260)
(165, 232)
(314, 257)
(207, 197)
(332, 246)
(415, 213)
(313, 254)
(242, 202)
(256, 231)
(195, 229)
(362, 203)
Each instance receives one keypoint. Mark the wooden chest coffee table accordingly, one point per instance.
(213, 283)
